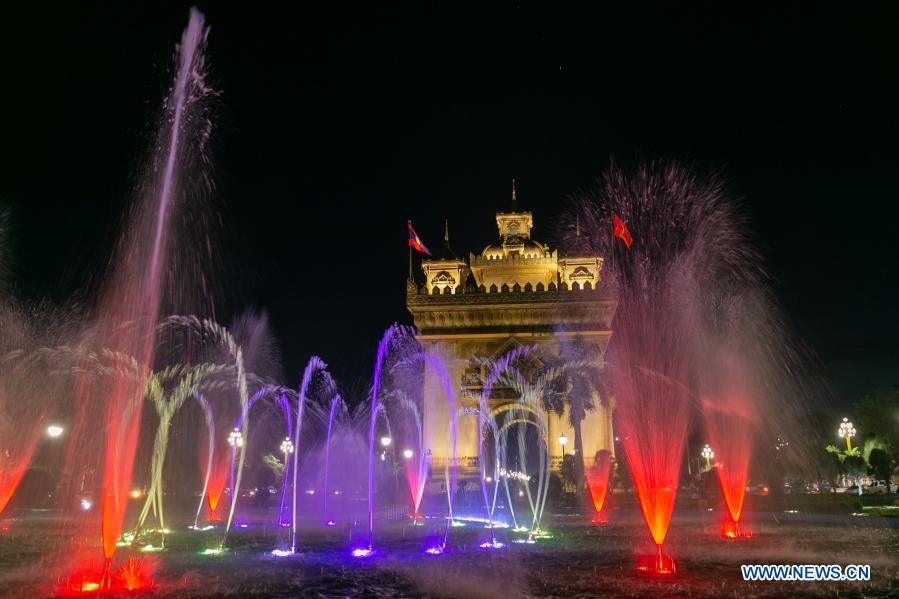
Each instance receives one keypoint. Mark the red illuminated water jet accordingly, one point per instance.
(731, 418)
(122, 428)
(653, 417)
(658, 267)
(218, 480)
(657, 565)
(598, 483)
(132, 298)
(733, 529)
(134, 575)
(415, 481)
(12, 469)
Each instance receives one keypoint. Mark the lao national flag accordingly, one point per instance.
(415, 242)
(619, 229)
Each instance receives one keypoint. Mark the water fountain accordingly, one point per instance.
(690, 285)
(686, 340)
(391, 336)
(313, 366)
(22, 369)
(598, 483)
(337, 404)
(131, 300)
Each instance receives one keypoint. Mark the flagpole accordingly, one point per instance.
(409, 222)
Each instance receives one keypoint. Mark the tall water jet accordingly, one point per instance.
(683, 241)
(131, 301)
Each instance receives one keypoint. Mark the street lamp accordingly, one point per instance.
(563, 441)
(708, 454)
(408, 453)
(286, 447)
(385, 441)
(847, 431)
(235, 439)
(54, 431)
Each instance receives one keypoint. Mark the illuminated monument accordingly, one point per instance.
(515, 292)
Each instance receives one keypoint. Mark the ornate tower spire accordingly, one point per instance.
(513, 192)
(577, 225)
(446, 232)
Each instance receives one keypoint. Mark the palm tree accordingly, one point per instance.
(583, 380)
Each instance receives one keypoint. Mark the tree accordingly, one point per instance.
(877, 414)
(879, 463)
(583, 380)
(855, 467)
(851, 463)
(274, 464)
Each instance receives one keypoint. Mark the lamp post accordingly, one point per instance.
(563, 441)
(847, 431)
(708, 454)
(286, 449)
(235, 439)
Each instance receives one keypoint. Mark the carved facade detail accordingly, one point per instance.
(522, 293)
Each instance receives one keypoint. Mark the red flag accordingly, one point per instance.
(619, 229)
(415, 241)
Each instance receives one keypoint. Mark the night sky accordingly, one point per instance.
(335, 126)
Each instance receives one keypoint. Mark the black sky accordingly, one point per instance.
(335, 125)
